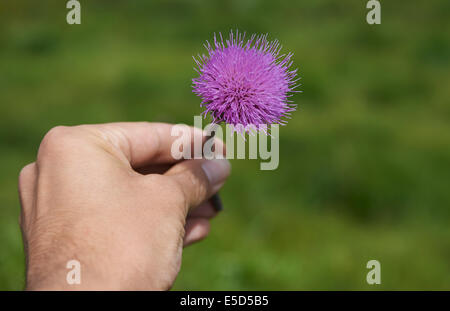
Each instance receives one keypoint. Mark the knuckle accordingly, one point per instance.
(56, 132)
(59, 140)
(26, 173)
(25, 184)
(54, 137)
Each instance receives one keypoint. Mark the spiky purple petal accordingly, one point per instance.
(245, 83)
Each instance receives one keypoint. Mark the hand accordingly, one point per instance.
(111, 197)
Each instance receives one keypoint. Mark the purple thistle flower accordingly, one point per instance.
(245, 83)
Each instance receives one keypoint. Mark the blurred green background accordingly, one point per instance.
(364, 163)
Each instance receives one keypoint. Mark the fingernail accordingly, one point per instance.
(216, 202)
(216, 170)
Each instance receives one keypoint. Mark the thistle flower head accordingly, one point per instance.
(245, 82)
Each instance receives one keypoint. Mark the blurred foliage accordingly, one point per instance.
(364, 163)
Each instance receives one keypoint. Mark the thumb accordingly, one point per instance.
(200, 179)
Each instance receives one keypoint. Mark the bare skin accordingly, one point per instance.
(111, 197)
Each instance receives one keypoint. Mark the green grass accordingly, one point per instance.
(364, 163)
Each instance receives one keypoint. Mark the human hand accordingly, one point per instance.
(111, 197)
